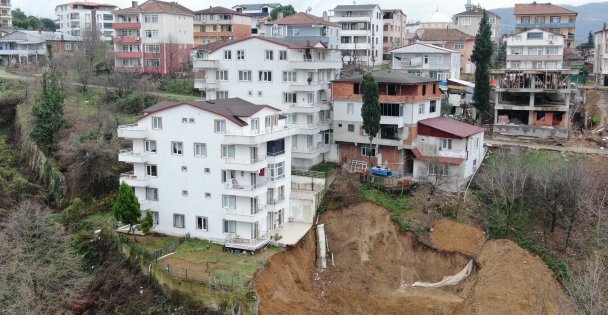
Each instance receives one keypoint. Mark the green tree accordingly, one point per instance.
(482, 57)
(147, 223)
(48, 120)
(286, 10)
(126, 209)
(48, 24)
(590, 40)
(370, 111)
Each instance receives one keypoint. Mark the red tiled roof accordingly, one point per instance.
(441, 34)
(219, 10)
(449, 126)
(156, 6)
(539, 8)
(438, 159)
(302, 18)
(292, 44)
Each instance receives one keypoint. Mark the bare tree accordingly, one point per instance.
(92, 52)
(589, 286)
(38, 272)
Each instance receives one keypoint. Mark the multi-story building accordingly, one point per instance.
(427, 60)
(600, 57)
(548, 17)
(6, 17)
(394, 29)
(405, 99)
(293, 76)
(451, 39)
(468, 21)
(362, 32)
(76, 18)
(218, 170)
(154, 37)
(533, 94)
(303, 26)
(260, 13)
(25, 47)
(220, 24)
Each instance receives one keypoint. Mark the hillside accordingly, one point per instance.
(591, 17)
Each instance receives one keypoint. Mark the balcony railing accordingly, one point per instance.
(277, 178)
(234, 241)
(253, 133)
(311, 149)
(247, 212)
(260, 159)
(278, 153)
(237, 186)
(275, 202)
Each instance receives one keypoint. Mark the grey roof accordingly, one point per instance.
(475, 12)
(355, 7)
(257, 6)
(390, 76)
(231, 108)
(52, 36)
(37, 37)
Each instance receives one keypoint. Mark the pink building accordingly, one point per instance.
(154, 37)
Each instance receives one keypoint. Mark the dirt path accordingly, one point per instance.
(375, 266)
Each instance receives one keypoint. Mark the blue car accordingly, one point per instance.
(381, 171)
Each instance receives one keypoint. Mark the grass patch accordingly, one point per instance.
(182, 87)
(398, 205)
(325, 167)
(98, 220)
(152, 242)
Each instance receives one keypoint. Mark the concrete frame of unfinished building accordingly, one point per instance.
(532, 103)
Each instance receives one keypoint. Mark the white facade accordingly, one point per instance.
(294, 79)
(600, 62)
(75, 18)
(362, 33)
(427, 60)
(321, 31)
(535, 49)
(224, 181)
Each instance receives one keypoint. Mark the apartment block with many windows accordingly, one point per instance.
(154, 37)
(600, 57)
(362, 32)
(468, 21)
(77, 18)
(6, 17)
(427, 60)
(293, 76)
(548, 17)
(394, 29)
(219, 170)
(220, 24)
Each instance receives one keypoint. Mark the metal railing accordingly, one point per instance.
(259, 132)
(237, 186)
(277, 178)
(278, 153)
(260, 159)
(247, 212)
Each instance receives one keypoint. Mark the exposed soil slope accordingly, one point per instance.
(457, 237)
(375, 265)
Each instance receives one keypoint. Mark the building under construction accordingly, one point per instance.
(533, 103)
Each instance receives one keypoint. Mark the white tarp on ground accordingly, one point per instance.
(448, 280)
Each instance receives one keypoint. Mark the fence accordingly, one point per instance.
(170, 248)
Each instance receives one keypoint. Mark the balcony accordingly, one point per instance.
(127, 26)
(276, 204)
(247, 165)
(246, 137)
(353, 46)
(234, 241)
(309, 152)
(128, 156)
(126, 40)
(204, 84)
(5, 4)
(312, 64)
(312, 86)
(541, 25)
(204, 64)
(313, 128)
(133, 180)
(127, 54)
(22, 52)
(360, 18)
(132, 131)
(355, 32)
(246, 215)
(250, 191)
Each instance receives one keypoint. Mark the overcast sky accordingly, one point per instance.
(415, 10)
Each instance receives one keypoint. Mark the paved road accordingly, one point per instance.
(582, 150)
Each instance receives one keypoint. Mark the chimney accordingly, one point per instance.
(134, 4)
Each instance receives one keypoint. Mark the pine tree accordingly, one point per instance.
(590, 40)
(482, 57)
(370, 111)
(48, 120)
(126, 209)
(147, 223)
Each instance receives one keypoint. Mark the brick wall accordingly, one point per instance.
(390, 155)
(344, 91)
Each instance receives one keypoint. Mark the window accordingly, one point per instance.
(446, 144)
(351, 128)
(184, 193)
(227, 54)
(178, 221)
(438, 169)
(525, 19)
(270, 121)
(388, 109)
(537, 64)
(492, 19)
(282, 54)
(539, 19)
(155, 217)
(200, 149)
(424, 89)
(550, 64)
(220, 126)
(289, 76)
(290, 98)
(207, 170)
(177, 148)
(268, 54)
(265, 76)
(556, 19)
(240, 54)
(184, 168)
(151, 193)
(155, 49)
(220, 95)
(459, 46)
(465, 21)
(535, 51)
(157, 123)
(229, 202)
(221, 75)
(153, 63)
(67, 46)
(426, 59)
(421, 109)
(227, 151)
(229, 226)
(365, 151)
(201, 223)
(151, 170)
(244, 75)
(255, 124)
(150, 146)
(552, 51)
(356, 88)
(150, 18)
(433, 107)
(535, 35)
(517, 51)
(277, 171)
(515, 64)
(207, 195)
(350, 108)
(151, 33)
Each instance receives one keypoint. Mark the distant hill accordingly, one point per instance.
(591, 17)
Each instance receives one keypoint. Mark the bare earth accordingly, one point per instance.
(375, 265)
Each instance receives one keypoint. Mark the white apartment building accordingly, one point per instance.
(600, 57)
(303, 26)
(535, 49)
(219, 170)
(6, 17)
(427, 60)
(77, 17)
(362, 32)
(293, 76)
